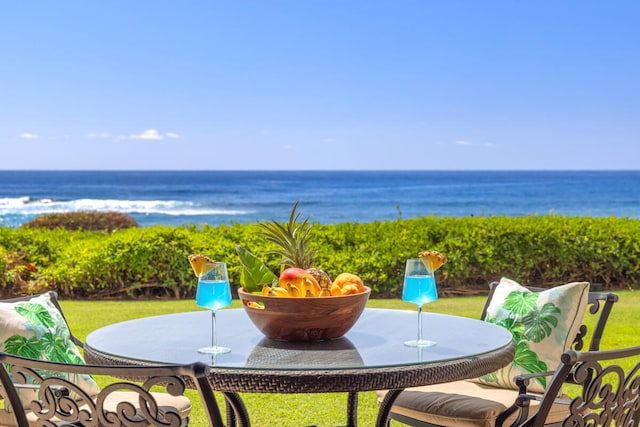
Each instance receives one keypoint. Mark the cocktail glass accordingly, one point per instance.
(419, 288)
(214, 293)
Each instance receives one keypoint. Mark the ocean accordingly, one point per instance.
(225, 197)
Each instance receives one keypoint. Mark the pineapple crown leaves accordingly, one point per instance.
(292, 239)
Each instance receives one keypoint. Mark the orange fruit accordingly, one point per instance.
(432, 259)
(201, 264)
(335, 290)
(350, 289)
(345, 279)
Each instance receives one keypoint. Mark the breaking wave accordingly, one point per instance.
(28, 206)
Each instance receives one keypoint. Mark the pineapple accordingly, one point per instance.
(433, 260)
(322, 278)
(200, 264)
(292, 239)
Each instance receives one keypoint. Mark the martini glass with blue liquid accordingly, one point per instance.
(419, 288)
(214, 293)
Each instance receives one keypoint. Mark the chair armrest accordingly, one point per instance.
(522, 401)
(58, 390)
(523, 380)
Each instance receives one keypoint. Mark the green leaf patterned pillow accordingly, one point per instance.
(36, 329)
(543, 324)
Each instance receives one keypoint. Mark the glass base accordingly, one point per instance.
(214, 350)
(419, 343)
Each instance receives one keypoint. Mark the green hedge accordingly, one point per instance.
(152, 262)
(83, 220)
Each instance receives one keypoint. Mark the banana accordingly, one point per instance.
(312, 287)
(275, 291)
(280, 292)
(306, 286)
(256, 305)
(294, 291)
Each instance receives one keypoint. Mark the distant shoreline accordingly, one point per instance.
(310, 170)
(327, 197)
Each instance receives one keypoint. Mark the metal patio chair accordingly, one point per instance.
(470, 404)
(36, 394)
(609, 390)
(192, 375)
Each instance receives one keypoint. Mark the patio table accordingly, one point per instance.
(371, 356)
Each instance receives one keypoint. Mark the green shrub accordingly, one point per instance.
(4, 268)
(84, 220)
(132, 262)
(152, 262)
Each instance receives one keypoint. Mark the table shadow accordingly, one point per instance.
(331, 354)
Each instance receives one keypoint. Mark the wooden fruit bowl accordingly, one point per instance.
(304, 319)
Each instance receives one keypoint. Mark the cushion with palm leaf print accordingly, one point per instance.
(36, 329)
(543, 324)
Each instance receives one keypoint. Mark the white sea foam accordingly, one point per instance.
(12, 202)
(27, 206)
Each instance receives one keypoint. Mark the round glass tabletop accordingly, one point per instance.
(375, 341)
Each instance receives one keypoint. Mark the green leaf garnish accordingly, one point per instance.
(254, 273)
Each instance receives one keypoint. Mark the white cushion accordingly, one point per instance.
(543, 324)
(36, 329)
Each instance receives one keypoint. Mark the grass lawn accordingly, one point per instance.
(323, 409)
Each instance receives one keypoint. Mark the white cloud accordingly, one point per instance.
(95, 135)
(151, 134)
(28, 135)
(467, 143)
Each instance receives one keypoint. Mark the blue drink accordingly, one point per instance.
(213, 294)
(419, 289)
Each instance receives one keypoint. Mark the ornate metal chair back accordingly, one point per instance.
(609, 394)
(42, 392)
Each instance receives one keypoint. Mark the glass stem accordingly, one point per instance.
(214, 341)
(420, 323)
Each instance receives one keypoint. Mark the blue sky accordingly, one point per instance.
(304, 84)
